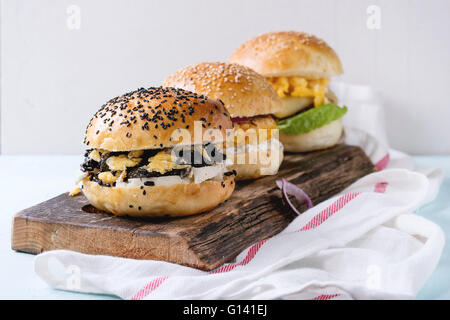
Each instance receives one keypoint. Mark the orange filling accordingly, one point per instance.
(256, 123)
(301, 87)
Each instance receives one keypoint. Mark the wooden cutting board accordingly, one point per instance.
(205, 241)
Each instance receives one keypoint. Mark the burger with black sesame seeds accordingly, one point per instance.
(147, 158)
(251, 102)
(299, 67)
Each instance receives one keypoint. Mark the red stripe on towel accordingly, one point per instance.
(382, 164)
(249, 257)
(323, 215)
(326, 296)
(149, 287)
(380, 187)
(318, 219)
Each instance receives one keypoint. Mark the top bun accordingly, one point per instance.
(244, 92)
(146, 119)
(287, 54)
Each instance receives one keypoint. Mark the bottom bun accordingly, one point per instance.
(159, 201)
(321, 138)
(268, 162)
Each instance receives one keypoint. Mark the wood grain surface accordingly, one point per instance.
(205, 241)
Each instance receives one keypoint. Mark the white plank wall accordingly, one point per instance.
(54, 76)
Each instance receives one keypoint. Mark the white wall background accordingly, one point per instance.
(54, 78)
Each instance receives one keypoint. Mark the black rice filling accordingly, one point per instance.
(137, 172)
(192, 158)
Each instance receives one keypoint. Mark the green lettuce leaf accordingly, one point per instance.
(311, 119)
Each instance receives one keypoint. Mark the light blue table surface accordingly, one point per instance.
(438, 211)
(28, 180)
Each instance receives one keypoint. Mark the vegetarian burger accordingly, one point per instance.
(251, 102)
(143, 160)
(299, 67)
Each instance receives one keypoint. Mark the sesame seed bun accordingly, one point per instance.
(146, 119)
(244, 92)
(159, 201)
(287, 54)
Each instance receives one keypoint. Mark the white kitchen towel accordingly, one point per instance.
(364, 243)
